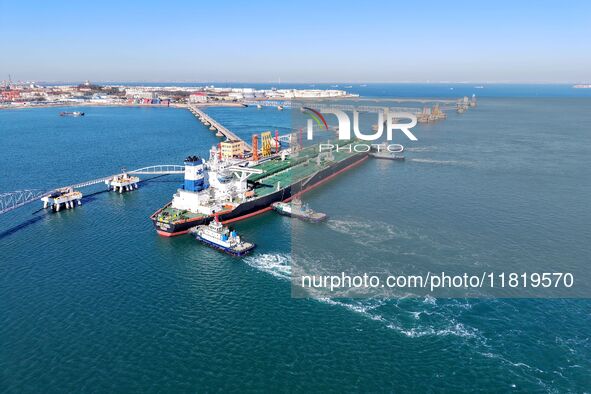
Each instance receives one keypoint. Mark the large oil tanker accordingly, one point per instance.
(238, 189)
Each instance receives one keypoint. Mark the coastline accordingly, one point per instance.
(62, 105)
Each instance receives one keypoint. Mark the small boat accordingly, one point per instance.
(386, 155)
(296, 209)
(259, 106)
(75, 113)
(388, 152)
(384, 148)
(280, 107)
(220, 237)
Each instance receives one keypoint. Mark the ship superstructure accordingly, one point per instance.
(213, 186)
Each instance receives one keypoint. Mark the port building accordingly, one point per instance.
(232, 149)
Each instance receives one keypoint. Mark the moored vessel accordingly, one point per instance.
(237, 189)
(299, 210)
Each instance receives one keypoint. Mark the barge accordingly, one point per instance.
(299, 210)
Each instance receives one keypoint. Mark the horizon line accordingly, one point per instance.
(304, 82)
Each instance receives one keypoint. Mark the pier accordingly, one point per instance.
(66, 197)
(216, 126)
(123, 183)
(69, 196)
(374, 105)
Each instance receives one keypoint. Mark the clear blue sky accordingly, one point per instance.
(296, 41)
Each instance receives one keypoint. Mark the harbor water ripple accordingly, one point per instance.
(92, 299)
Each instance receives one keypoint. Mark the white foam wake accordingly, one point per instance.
(421, 149)
(366, 232)
(442, 162)
(278, 265)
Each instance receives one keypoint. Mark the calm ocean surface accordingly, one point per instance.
(94, 300)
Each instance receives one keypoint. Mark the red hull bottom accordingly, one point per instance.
(165, 234)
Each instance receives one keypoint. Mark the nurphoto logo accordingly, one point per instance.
(389, 119)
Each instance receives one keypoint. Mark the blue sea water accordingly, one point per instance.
(93, 300)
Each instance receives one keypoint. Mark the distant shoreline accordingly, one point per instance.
(62, 105)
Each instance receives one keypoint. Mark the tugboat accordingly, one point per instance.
(75, 113)
(220, 237)
(296, 209)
